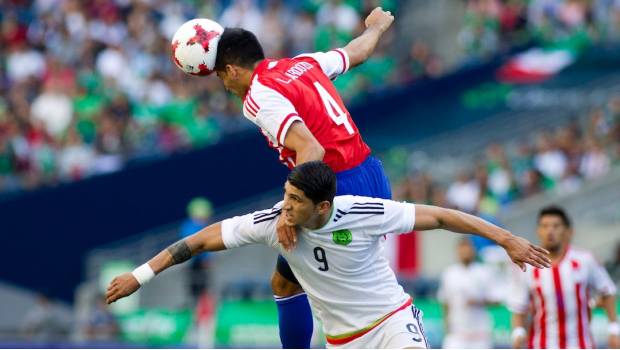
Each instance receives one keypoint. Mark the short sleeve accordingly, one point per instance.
(599, 279)
(395, 217)
(333, 63)
(519, 294)
(399, 217)
(255, 228)
(271, 111)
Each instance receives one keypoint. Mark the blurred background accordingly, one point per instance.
(108, 153)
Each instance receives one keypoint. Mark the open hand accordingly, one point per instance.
(522, 252)
(287, 235)
(379, 19)
(120, 287)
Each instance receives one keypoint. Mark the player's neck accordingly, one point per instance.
(466, 263)
(557, 254)
(320, 221)
(246, 81)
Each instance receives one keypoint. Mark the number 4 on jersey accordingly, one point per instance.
(333, 109)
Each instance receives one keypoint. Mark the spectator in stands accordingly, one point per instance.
(549, 160)
(89, 55)
(595, 162)
(101, 324)
(43, 323)
(464, 193)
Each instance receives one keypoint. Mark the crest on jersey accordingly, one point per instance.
(342, 237)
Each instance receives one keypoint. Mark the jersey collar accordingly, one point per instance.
(261, 65)
(331, 216)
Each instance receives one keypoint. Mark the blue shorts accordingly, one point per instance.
(367, 179)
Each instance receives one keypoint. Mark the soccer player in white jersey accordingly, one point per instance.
(465, 290)
(557, 299)
(338, 258)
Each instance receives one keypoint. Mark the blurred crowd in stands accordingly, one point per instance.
(551, 160)
(495, 25)
(87, 86)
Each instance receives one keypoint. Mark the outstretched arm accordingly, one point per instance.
(520, 250)
(207, 239)
(360, 48)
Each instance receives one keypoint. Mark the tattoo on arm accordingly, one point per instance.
(180, 251)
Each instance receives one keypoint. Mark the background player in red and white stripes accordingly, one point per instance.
(557, 299)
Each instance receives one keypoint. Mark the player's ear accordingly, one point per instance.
(324, 207)
(569, 233)
(231, 71)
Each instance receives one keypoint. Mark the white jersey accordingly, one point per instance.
(341, 266)
(464, 289)
(559, 297)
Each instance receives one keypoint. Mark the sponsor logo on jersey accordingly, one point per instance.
(342, 237)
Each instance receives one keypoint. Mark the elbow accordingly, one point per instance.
(360, 57)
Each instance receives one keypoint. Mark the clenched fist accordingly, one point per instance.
(379, 19)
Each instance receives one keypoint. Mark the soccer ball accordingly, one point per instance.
(194, 46)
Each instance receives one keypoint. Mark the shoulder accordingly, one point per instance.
(265, 87)
(576, 254)
(350, 202)
(450, 270)
(272, 72)
(267, 214)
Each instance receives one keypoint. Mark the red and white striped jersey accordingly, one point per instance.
(300, 89)
(559, 299)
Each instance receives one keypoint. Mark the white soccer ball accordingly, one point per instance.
(194, 46)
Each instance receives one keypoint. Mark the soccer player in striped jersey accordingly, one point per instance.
(298, 110)
(338, 259)
(557, 299)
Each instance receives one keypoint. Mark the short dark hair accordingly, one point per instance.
(316, 179)
(239, 47)
(555, 210)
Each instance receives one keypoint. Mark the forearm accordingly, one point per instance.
(518, 320)
(207, 239)
(446, 315)
(360, 48)
(518, 330)
(457, 221)
(609, 304)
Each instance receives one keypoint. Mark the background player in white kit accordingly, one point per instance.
(338, 258)
(465, 290)
(558, 298)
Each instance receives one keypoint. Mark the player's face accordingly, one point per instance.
(299, 209)
(230, 79)
(223, 75)
(552, 232)
(466, 252)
